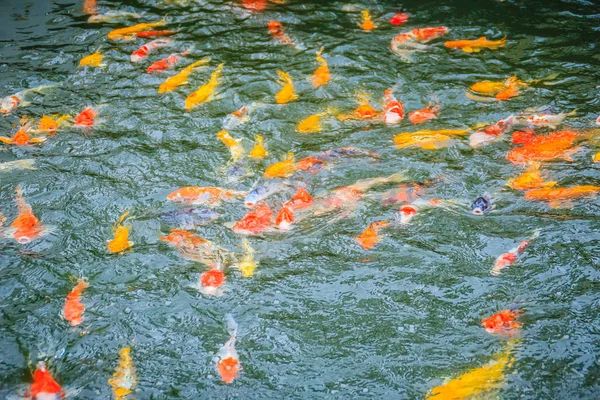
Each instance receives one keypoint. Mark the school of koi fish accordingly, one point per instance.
(285, 197)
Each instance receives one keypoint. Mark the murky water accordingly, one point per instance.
(322, 318)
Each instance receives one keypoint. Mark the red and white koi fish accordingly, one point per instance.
(227, 360)
(166, 63)
(146, 49)
(492, 133)
(44, 387)
(394, 110)
(509, 258)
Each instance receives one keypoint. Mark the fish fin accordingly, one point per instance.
(37, 140)
(572, 113)
(550, 184)
(560, 204)
(6, 140)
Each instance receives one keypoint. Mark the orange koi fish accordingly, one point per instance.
(120, 242)
(21, 138)
(44, 387)
(402, 194)
(282, 169)
(424, 114)
(204, 94)
(89, 7)
(363, 111)
(204, 195)
(394, 109)
(50, 124)
(561, 197)
(212, 281)
(129, 32)
(475, 46)
(73, 308)
(147, 48)
(26, 227)
(192, 246)
(276, 30)
(148, 34)
(255, 221)
(300, 201)
(409, 211)
(93, 60)
(369, 237)
(427, 139)
(321, 76)
(311, 124)
(227, 360)
(367, 23)
(510, 257)
(166, 63)
(428, 34)
(503, 321)
(287, 92)
(556, 145)
(86, 118)
(124, 378)
(530, 179)
(255, 5)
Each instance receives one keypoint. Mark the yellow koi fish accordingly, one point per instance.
(204, 92)
(475, 46)
(502, 90)
(182, 77)
(124, 379)
(93, 60)
(121, 240)
(427, 139)
(247, 264)
(321, 75)
(287, 92)
(282, 169)
(129, 32)
(596, 157)
(259, 151)
(234, 145)
(530, 179)
(311, 124)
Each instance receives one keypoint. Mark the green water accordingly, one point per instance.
(322, 318)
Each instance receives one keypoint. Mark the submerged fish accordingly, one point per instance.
(405, 44)
(363, 111)
(256, 221)
(475, 46)
(247, 264)
(11, 103)
(503, 321)
(322, 75)
(166, 63)
(234, 145)
(549, 120)
(21, 137)
(17, 164)
(182, 77)
(204, 94)
(73, 308)
(111, 16)
(259, 151)
(492, 133)
(370, 236)
(44, 387)
(287, 92)
(203, 195)
(530, 179)
(189, 218)
(50, 124)
(510, 257)
(227, 360)
(276, 30)
(124, 379)
(26, 227)
(193, 246)
(554, 146)
(312, 123)
(86, 118)
(148, 34)
(120, 242)
(399, 19)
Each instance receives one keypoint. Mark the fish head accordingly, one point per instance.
(405, 214)
(255, 196)
(481, 205)
(228, 369)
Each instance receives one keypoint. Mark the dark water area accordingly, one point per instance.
(321, 318)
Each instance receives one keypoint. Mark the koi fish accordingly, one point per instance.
(321, 76)
(166, 63)
(182, 77)
(21, 137)
(276, 30)
(189, 218)
(204, 92)
(492, 133)
(405, 44)
(255, 221)
(317, 162)
(124, 378)
(510, 257)
(503, 321)
(120, 242)
(369, 237)
(44, 387)
(595, 159)
(481, 205)
(255, 5)
(287, 92)
(93, 60)
(227, 360)
(300, 201)
(549, 120)
(212, 281)
(311, 124)
(17, 164)
(203, 195)
(129, 32)
(148, 48)
(149, 34)
(50, 124)
(236, 118)
(530, 179)
(556, 145)
(399, 19)
(89, 7)
(363, 111)
(282, 169)
(402, 194)
(111, 16)
(86, 118)
(424, 114)
(259, 151)
(367, 23)
(193, 246)
(428, 139)
(502, 90)
(73, 308)
(26, 227)
(261, 192)
(394, 110)
(475, 46)
(247, 264)
(234, 145)
(11, 103)
(561, 197)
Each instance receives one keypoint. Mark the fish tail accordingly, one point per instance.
(547, 79)
(82, 283)
(284, 77)
(397, 177)
(42, 88)
(198, 63)
(232, 326)
(572, 113)
(123, 217)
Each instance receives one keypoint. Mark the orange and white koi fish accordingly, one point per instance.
(26, 227)
(428, 139)
(44, 387)
(247, 265)
(182, 77)
(227, 359)
(166, 63)
(322, 75)
(394, 109)
(234, 145)
(149, 34)
(409, 211)
(149, 47)
(86, 118)
(424, 114)
(204, 195)
(204, 94)
(237, 118)
(364, 109)
(510, 257)
(399, 19)
(556, 145)
(212, 281)
(530, 179)
(281, 169)
(549, 120)
(73, 308)
(93, 60)
(124, 378)
(21, 137)
(256, 221)
(129, 32)
(492, 133)
(300, 201)
(503, 322)
(276, 30)
(11, 103)
(475, 46)
(367, 23)
(120, 242)
(370, 236)
(561, 197)
(405, 44)
(287, 92)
